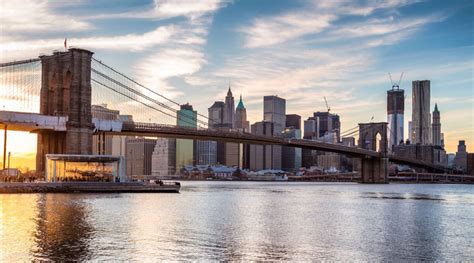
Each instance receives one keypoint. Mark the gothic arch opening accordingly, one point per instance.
(378, 142)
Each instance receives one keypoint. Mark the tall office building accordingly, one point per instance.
(163, 160)
(186, 117)
(264, 156)
(216, 114)
(410, 134)
(292, 156)
(229, 109)
(274, 110)
(293, 121)
(436, 127)
(421, 117)
(460, 161)
(222, 115)
(395, 118)
(241, 121)
(139, 156)
(232, 150)
(322, 126)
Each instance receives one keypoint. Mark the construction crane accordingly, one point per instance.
(395, 84)
(327, 106)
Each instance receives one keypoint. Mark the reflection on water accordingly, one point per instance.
(62, 231)
(243, 221)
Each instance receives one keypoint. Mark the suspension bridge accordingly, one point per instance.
(52, 96)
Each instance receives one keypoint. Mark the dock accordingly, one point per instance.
(90, 187)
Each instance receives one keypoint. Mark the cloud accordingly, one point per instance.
(315, 18)
(164, 9)
(156, 70)
(129, 42)
(279, 29)
(28, 16)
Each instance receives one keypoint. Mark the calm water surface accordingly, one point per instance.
(244, 221)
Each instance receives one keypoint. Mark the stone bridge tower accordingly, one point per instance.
(373, 136)
(66, 91)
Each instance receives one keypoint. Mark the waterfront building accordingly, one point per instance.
(395, 116)
(206, 152)
(185, 148)
(436, 128)
(139, 156)
(104, 144)
(460, 161)
(421, 117)
(164, 157)
(274, 110)
(264, 156)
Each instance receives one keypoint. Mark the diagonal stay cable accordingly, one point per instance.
(142, 95)
(151, 107)
(150, 90)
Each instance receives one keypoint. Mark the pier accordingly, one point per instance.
(90, 187)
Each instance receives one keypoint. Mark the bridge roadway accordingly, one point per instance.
(33, 122)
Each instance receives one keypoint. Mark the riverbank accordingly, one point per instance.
(90, 187)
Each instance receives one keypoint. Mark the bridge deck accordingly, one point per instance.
(22, 121)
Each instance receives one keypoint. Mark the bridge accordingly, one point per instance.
(57, 101)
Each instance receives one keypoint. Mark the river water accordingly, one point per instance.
(244, 221)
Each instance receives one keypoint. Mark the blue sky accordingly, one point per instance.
(298, 50)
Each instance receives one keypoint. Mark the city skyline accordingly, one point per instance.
(191, 53)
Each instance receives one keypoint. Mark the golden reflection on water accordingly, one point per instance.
(17, 226)
(43, 227)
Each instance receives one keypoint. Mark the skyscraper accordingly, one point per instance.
(291, 156)
(241, 123)
(436, 127)
(460, 161)
(216, 114)
(395, 118)
(163, 160)
(139, 156)
(274, 110)
(241, 117)
(294, 121)
(186, 117)
(229, 109)
(421, 119)
(322, 124)
(264, 156)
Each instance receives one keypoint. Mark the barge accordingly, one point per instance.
(90, 187)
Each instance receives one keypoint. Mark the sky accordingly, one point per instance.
(299, 50)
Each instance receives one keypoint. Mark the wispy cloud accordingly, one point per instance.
(279, 29)
(28, 16)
